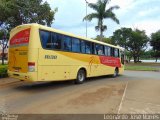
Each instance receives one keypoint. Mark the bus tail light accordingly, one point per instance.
(31, 66)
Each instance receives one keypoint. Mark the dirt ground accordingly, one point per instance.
(134, 92)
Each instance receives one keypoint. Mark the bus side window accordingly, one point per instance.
(56, 38)
(116, 52)
(46, 39)
(107, 51)
(88, 47)
(75, 45)
(83, 46)
(112, 52)
(99, 49)
(67, 43)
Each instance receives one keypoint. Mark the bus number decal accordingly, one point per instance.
(50, 57)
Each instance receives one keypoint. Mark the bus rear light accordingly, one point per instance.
(31, 66)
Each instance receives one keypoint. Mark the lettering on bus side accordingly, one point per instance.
(50, 57)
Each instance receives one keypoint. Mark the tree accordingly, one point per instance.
(155, 43)
(121, 37)
(137, 44)
(4, 41)
(17, 12)
(106, 40)
(101, 13)
(134, 41)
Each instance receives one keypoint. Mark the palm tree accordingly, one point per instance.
(101, 13)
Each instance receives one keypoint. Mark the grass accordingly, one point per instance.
(143, 66)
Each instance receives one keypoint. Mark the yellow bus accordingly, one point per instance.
(40, 53)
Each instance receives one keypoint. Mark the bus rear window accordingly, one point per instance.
(21, 38)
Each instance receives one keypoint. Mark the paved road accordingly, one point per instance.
(134, 92)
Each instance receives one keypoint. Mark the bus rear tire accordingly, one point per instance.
(116, 72)
(81, 76)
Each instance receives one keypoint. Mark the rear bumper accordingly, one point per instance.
(30, 76)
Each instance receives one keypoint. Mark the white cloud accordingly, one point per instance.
(148, 11)
(124, 5)
(148, 26)
(132, 13)
(92, 1)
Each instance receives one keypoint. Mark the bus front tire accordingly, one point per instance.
(81, 76)
(116, 72)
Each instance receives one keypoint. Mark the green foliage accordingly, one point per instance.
(1, 34)
(4, 34)
(147, 55)
(17, 12)
(106, 40)
(138, 43)
(3, 70)
(101, 13)
(134, 41)
(129, 55)
(155, 43)
(122, 36)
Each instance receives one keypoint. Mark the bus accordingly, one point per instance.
(40, 53)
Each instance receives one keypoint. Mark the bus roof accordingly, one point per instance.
(65, 33)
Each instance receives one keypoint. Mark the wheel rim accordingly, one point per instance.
(81, 76)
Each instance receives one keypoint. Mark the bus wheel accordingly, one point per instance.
(81, 76)
(116, 72)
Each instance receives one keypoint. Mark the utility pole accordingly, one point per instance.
(86, 15)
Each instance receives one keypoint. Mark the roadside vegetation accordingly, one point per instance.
(3, 71)
(143, 66)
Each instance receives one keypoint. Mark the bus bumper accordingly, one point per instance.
(30, 76)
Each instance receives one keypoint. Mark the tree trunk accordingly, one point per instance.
(138, 58)
(129, 59)
(101, 35)
(101, 30)
(135, 59)
(156, 59)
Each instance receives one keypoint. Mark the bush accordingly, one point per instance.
(3, 71)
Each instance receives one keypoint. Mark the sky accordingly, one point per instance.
(141, 14)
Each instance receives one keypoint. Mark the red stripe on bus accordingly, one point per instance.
(110, 61)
